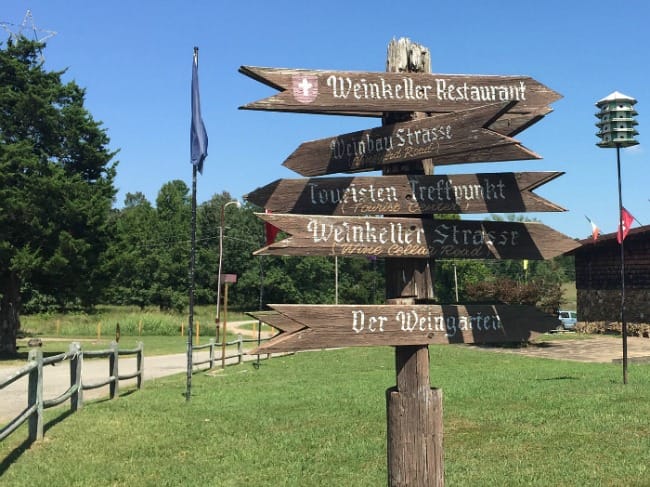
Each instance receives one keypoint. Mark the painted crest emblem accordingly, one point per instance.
(305, 88)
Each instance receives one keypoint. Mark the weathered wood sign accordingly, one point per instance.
(449, 138)
(414, 237)
(511, 124)
(305, 327)
(407, 194)
(451, 119)
(354, 93)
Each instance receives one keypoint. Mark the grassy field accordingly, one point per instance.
(132, 320)
(159, 332)
(319, 419)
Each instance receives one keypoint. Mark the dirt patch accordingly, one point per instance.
(603, 349)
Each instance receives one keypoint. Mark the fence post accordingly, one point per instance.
(212, 344)
(113, 371)
(240, 349)
(140, 364)
(76, 360)
(35, 395)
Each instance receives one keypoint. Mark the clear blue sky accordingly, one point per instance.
(134, 58)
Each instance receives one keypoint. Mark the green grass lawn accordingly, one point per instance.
(319, 419)
(159, 332)
(132, 320)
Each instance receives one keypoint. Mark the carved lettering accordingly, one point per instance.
(444, 194)
(369, 324)
(413, 321)
(406, 88)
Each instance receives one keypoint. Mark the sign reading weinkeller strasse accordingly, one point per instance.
(414, 237)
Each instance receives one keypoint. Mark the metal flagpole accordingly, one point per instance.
(190, 326)
(620, 229)
(198, 153)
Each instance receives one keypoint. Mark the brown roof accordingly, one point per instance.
(609, 237)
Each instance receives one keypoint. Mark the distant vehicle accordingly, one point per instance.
(568, 319)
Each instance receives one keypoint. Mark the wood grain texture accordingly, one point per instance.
(355, 92)
(449, 138)
(414, 238)
(330, 326)
(407, 194)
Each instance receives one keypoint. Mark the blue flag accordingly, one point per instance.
(198, 135)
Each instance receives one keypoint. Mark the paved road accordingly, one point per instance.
(56, 378)
(13, 399)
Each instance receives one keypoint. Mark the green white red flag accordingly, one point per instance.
(595, 231)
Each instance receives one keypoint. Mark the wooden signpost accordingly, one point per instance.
(450, 138)
(414, 237)
(407, 194)
(357, 93)
(428, 119)
(307, 327)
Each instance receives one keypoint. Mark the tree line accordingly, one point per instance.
(64, 246)
(146, 262)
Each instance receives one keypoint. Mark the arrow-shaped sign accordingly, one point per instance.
(414, 237)
(370, 93)
(403, 195)
(511, 123)
(448, 138)
(306, 327)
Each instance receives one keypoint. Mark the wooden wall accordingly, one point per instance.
(598, 278)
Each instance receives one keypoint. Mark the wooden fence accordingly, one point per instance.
(212, 345)
(34, 370)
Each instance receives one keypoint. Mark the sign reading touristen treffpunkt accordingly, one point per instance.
(305, 327)
(407, 194)
(349, 92)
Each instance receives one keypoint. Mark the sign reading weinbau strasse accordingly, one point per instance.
(449, 138)
(347, 92)
(414, 237)
(305, 327)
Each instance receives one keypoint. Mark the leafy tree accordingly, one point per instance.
(172, 251)
(461, 275)
(131, 258)
(361, 280)
(56, 188)
(545, 295)
(242, 235)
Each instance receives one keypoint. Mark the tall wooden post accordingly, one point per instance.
(225, 321)
(414, 409)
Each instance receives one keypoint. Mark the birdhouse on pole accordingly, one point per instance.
(616, 121)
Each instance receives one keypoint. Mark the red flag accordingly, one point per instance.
(270, 230)
(626, 219)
